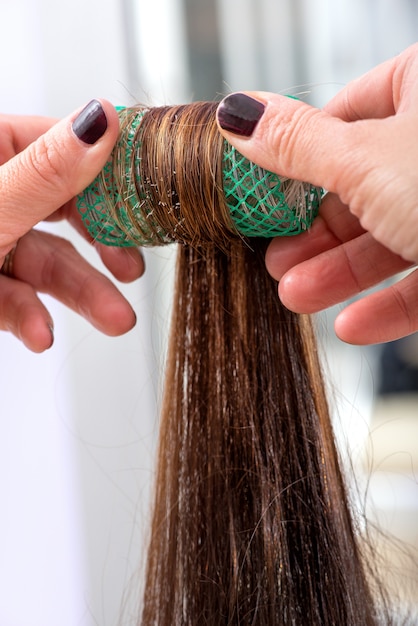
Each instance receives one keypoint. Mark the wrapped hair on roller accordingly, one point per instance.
(251, 521)
(138, 197)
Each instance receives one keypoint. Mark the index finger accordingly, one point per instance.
(381, 92)
(367, 97)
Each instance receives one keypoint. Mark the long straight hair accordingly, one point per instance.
(251, 519)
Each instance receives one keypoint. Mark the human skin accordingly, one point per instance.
(44, 165)
(362, 149)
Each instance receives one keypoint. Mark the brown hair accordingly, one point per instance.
(251, 519)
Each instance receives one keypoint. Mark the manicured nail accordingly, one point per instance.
(239, 114)
(91, 123)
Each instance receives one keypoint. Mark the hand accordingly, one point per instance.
(44, 165)
(362, 148)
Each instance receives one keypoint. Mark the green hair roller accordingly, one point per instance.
(261, 203)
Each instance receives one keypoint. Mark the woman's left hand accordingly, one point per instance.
(44, 165)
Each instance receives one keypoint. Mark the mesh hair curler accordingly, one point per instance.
(116, 209)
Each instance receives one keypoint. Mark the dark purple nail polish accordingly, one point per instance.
(91, 123)
(239, 114)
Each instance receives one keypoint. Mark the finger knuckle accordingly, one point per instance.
(47, 161)
(287, 137)
(406, 313)
(59, 248)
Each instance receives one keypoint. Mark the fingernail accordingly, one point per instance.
(239, 114)
(141, 261)
(91, 123)
(51, 330)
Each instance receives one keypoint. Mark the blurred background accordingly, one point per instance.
(79, 422)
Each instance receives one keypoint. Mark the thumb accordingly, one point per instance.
(54, 168)
(286, 136)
